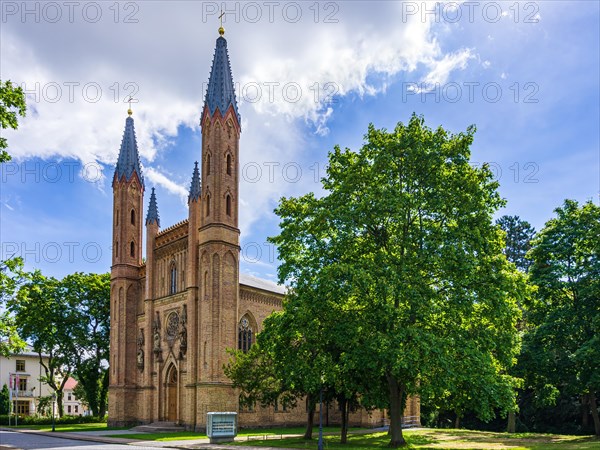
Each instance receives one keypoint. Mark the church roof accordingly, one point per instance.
(266, 285)
(129, 158)
(195, 187)
(152, 216)
(221, 92)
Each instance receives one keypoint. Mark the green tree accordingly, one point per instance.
(12, 102)
(562, 350)
(282, 366)
(88, 298)
(11, 277)
(74, 333)
(404, 239)
(4, 400)
(44, 406)
(43, 318)
(519, 234)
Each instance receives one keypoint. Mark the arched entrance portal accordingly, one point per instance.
(171, 412)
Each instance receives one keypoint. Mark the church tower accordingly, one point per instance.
(126, 291)
(218, 236)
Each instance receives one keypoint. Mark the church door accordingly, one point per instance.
(172, 395)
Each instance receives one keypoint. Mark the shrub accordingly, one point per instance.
(40, 420)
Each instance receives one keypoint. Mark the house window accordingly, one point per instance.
(228, 205)
(21, 407)
(173, 288)
(20, 365)
(22, 384)
(132, 249)
(76, 408)
(244, 335)
(132, 217)
(69, 396)
(69, 409)
(228, 164)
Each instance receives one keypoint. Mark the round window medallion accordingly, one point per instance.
(172, 324)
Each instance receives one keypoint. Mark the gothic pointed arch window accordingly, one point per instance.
(228, 205)
(208, 205)
(117, 249)
(173, 284)
(208, 164)
(245, 334)
(133, 217)
(132, 249)
(228, 164)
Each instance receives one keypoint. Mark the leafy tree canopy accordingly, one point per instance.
(519, 234)
(562, 349)
(404, 241)
(12, 103)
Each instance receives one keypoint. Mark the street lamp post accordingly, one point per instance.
(53, 401)
(320, 445)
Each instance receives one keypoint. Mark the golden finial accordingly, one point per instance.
(129, 111)
(221, 29)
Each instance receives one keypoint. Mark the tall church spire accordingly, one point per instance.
(195, 187)
(152, 216)
(129, 158)
(221, 89)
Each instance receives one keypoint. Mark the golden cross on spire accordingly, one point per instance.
(131, 99)
(221, 29)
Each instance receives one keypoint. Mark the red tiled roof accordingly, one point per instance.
(70, 384)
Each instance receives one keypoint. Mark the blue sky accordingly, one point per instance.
(526, 74)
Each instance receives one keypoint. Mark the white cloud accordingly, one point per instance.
(160, 179)
(166, 68)
(440, 69)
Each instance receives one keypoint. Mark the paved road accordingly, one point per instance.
(34, 441)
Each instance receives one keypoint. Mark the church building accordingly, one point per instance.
(175, 314)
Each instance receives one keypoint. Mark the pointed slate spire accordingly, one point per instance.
(152, 216)
(195, 187)
(221, 93)
(129, 158)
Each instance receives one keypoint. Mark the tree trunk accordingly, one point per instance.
(59, 403)
(585, 411)
(396, 392)
(594, 410)
(345, 411)
(103, 394)
(310, 405)
(512, 422)
(457, 421)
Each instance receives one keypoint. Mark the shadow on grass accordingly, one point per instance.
(443, 439)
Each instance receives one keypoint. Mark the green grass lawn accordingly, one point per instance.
(417, 439)
(444, 439)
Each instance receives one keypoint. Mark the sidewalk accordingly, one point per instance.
(99, 436)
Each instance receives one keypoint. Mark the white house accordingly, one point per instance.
(21, 373)
(72, 405)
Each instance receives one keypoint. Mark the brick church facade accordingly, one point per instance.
(174, 314)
